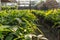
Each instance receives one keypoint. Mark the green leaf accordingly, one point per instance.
(10, 37)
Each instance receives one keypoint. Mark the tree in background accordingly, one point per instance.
(52, 4)
(49, 4)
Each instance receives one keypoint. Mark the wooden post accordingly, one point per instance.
(18, 3)
(0, 4)
(30, 6)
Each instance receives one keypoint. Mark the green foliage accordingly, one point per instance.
(49, 15)
(15, 24)
(8, 7)
(50, 21)
(19, 23)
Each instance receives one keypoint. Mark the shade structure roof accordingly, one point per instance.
(27, 2)
(8, 0)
